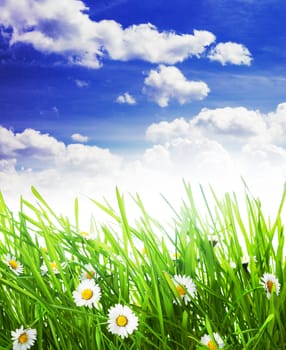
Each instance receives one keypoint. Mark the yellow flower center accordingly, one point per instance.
(270, 286)
(121, 321)
(89, 275)
(84, 234)
(53, 266)
(181, 290)
(23, 338)
(13, 264)
(87, 294)
(211, 345)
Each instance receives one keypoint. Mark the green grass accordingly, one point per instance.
(209, 248)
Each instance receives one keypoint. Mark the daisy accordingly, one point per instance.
(53, 266)
(86, 235)
(88, 273)
(13, 264)
(87, 294)
(212, 343)
(185, 287)
(175, 256)
(122, 321)
(23, 338)
(270, 284)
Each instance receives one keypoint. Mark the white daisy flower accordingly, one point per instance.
(122, 321)
(185, 287)
(88, 272)
(52, 265)
(13, 264)
(212, 344)
(87, 294)
(270, 284)
(23, 338)
(87, 235)
(175, 256)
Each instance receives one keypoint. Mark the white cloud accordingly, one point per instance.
(214, 147)
(87, 159)
(64, 27)
(190, 157)
(53, 26)
(79, 137)
(81, 83)
(31, 147)
(168, 82)
(8, 143)
(144, 41)
(126, 98)
(29, 143)
(164, 131)
(232, 53)
(235, 141)
(7, 165)
(232, 126)
(277, 122)
(266, 154)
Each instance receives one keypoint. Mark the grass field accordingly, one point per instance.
(204, 282)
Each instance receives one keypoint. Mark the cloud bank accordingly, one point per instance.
(65, 28)
(216, 147)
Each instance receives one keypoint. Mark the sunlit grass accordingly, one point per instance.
(219, 298)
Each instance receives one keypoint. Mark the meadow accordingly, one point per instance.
(202, 281)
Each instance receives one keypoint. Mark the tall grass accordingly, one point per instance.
(135, 266)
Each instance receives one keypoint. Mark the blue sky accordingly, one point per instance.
(146, 85)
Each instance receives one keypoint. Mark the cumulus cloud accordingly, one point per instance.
(168, 82)
(220, 145)
(29, 143)
(64, 27)
(52, 26)
(265, 154)
(7, 165)
(126, 98)
(230, 126)
(79, 138)
(225, 140)
(89, 159)
(186, 157)
(144, 41)
(164, 131)
(31, 147)
(277, 122)
(215, 147)
(232, 53)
